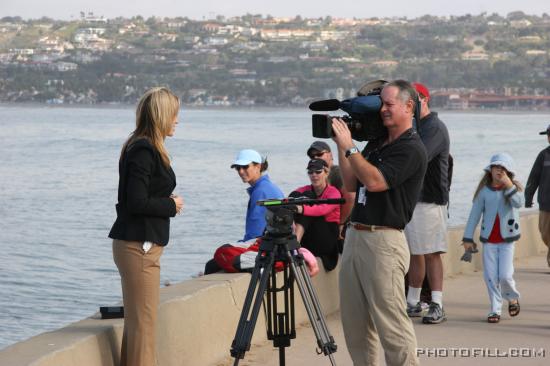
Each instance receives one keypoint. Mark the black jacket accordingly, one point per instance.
(435, 137)
(539, 178)
(144, 205)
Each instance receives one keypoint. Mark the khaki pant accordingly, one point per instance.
(140, 277)
(544, 228)
(372, 298)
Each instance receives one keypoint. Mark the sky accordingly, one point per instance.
(208, 9)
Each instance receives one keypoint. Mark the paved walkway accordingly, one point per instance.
(466, 331)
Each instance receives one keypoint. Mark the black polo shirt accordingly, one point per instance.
(403, 164)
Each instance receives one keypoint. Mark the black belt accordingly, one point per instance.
(363, 227)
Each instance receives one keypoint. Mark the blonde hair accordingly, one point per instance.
(487, 180)
(155, 113)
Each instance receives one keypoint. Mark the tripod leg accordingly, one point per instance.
(280, 314)
(304, 281)
(247, 322)
(325, 341)
(282, 356)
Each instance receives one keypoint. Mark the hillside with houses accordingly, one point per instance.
(484, 61)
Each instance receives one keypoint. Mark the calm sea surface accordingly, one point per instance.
(58, 181)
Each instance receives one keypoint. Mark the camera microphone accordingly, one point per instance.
(325, 105)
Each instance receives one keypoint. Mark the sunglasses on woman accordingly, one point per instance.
(239, 167)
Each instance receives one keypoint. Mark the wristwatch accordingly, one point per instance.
(351, 151)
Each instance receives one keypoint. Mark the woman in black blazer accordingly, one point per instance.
(141, 230)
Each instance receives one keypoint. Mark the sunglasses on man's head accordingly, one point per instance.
(239, 167)
(311, 172)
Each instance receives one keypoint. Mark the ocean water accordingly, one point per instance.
(58, 182)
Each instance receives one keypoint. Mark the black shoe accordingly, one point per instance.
(435, 315)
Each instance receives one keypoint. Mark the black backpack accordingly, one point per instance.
(450, 172)
(449, 179)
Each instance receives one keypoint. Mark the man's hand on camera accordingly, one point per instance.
(342, 134)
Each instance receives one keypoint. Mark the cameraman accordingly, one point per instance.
(387, 177)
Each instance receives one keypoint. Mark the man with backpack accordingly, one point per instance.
(426, 233)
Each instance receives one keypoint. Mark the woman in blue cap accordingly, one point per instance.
(498, 200)
(251, 169)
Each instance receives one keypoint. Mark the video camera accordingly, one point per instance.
(363, 117)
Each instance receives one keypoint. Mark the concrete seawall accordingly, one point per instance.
(198, 317)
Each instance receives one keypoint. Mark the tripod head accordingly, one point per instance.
(280, 212)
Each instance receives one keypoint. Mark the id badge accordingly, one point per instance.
(362, 196)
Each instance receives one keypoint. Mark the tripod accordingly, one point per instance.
(280, 245)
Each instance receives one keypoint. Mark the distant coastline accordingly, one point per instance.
(250, 61)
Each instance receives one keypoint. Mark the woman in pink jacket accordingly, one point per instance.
(317, 225)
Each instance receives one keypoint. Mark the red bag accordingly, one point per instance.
(225, 257)
(234, 259)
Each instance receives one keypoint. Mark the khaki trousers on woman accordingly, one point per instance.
(140, 277)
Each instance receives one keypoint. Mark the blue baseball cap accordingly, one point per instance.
(247, 156)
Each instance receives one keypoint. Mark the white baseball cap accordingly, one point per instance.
(247, 156)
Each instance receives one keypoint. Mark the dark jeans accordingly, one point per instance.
(321, 238)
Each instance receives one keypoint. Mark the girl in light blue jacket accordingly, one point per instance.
(498, 200)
